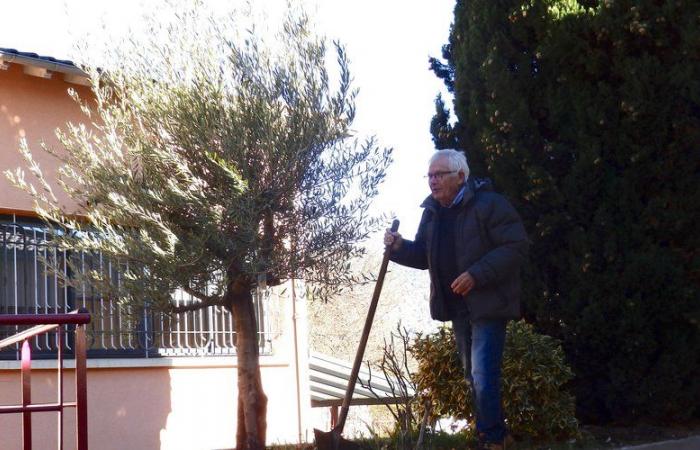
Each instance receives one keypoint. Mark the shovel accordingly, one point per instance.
(333, 440)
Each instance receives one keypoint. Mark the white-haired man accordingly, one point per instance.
(472, 242)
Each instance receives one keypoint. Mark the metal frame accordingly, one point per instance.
(26, 286)
(45, 324)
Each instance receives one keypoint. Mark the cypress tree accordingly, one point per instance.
(587, 115)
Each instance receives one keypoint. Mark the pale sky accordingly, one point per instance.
(388, 43)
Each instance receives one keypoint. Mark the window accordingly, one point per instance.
(27, 287)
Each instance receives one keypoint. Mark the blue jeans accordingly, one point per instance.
(480, 348)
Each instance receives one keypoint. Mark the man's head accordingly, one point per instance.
(447, 171)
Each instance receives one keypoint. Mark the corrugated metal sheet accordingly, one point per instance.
(329, 379)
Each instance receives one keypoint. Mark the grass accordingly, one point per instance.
(592, 438)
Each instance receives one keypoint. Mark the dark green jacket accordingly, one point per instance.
(491, 243)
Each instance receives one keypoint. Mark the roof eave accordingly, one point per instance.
(43, 68)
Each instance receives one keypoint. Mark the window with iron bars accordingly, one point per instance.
(28, 287)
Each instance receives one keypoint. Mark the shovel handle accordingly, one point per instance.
(395, 226)
(365, 335)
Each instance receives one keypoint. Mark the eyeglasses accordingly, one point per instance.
(440, 175)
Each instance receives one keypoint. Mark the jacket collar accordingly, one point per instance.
(463, 197)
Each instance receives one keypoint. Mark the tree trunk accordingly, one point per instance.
(252, 401)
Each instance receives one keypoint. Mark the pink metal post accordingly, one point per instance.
(81, 388)
(59, 384)
(45, 323)
(26, 370)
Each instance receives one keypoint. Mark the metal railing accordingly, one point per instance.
(27, 286)
(44, 325)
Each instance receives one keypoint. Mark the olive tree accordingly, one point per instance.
(210, 158)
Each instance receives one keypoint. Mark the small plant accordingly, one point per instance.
(401, 403)
(534, 373)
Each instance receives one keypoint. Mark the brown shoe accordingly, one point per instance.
(483, 445)
(507, 442)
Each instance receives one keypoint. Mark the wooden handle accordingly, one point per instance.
(365, 335)
(395, 226)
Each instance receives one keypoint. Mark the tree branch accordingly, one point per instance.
(205, 301)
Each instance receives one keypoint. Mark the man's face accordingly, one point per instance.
(444, 182)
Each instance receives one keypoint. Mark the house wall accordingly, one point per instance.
(153, 408)
(186, 403)
(32, 108)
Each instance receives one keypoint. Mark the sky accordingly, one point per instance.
(388, 43)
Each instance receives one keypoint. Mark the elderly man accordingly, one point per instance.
(473, 243)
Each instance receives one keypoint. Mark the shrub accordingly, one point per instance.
(535, 403)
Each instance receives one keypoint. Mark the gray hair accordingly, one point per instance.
(455, 159)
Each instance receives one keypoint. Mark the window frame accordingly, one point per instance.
(204, 332)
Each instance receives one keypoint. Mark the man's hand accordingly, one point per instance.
(463, 284)
(393, 238)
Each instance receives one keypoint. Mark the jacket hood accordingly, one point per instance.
(480, 184)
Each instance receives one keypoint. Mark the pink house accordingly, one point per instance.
(167, 382)
(163, 382)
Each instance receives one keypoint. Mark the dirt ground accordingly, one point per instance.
(639, 434)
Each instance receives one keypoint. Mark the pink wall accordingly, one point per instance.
(173, 403)
(33, 108)
(152, 408)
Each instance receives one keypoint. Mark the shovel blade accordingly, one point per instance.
(332, 440)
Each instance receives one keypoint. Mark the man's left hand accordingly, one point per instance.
(463, 284)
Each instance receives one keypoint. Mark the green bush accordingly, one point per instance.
(535, 403)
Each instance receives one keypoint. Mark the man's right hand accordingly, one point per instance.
(393, 239)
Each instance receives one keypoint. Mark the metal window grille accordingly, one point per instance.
(28, 287)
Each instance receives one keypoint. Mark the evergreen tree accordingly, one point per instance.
(587, 115)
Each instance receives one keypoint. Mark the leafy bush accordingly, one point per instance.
(535, 403)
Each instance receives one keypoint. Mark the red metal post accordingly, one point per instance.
(36, 319)
(45, 323)
(81, 388)
(26, 375)
(59, 347)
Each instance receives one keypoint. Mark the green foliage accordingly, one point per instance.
(535, 373)
(535, 403)
(439, 377)
(432, 441)
(586, 115)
